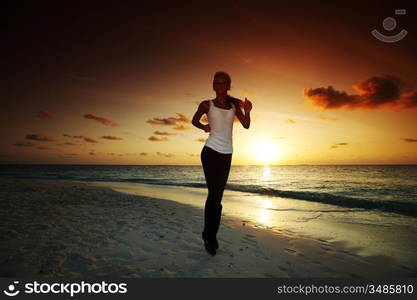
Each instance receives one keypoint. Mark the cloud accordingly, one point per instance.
(327, 118)
(102, 120)
(43, 148)
(70, 144)
(338, 144)
(192, 155)
(163, 133)
(201, 140)
(376, 92)
(278, 138)
(40, 137)
(164, 154)
(85, 138)
(43, 114)
(156, 139)
(22, 144)
(143, 153)
(290, 121)
(409, 140)
(109, 137)
(91, 153)
(181, 127)
(171, 121)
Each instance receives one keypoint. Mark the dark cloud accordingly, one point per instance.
(164, 154)
(181, 127)
(109, 137)
(102, 120)
(169, 121)
(43, 148)
(91, 153)
(376, 92)
(43, 114)
(339, 144)
(156, 139)
(40, 137)
(409, 140)
(143, 153)
(24, 144)
(201, 140)
(85, 138)
(163, 133)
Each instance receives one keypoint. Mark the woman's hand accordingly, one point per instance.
(247, 106)
(206, 128)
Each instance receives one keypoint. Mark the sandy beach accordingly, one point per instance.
(53, 228)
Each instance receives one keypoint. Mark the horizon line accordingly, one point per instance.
(199, 165)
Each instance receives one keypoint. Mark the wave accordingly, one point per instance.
(400, 207)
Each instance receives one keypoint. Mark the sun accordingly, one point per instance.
(265, 151)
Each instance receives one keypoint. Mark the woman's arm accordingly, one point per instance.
(244, 118)
(202, 109)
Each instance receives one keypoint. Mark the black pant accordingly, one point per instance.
(216, 171)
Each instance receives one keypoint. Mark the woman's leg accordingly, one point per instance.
(216, 171)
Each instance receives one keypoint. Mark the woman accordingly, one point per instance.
(216, 155)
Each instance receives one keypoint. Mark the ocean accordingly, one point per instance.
(386, 188)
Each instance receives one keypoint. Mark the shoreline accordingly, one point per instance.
(55, 228)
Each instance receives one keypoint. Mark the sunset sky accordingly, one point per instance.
(119, 84)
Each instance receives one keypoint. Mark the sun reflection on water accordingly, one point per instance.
(264, 216)
(266, 175)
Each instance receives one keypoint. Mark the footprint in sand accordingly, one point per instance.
(282, 268)
(290, 251)
(250, 240)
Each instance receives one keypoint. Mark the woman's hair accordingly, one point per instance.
(223, 74)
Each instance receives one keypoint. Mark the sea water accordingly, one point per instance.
(389, 188)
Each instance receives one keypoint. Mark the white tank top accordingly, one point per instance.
(221, 127)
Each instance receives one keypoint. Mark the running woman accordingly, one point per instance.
(216, 155)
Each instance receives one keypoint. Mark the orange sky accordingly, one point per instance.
(120, 85)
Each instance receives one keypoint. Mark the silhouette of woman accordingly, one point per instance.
(216, 155)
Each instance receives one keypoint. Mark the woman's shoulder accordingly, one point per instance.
(205, 104)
